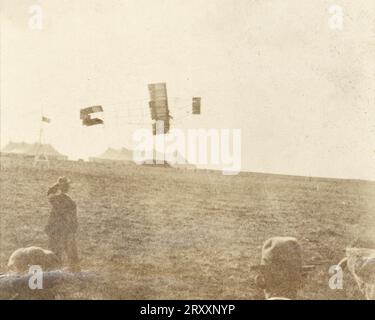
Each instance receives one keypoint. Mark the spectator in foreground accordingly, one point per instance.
(62, 223)
(281, 271)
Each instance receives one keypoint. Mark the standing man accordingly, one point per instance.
(62, 223)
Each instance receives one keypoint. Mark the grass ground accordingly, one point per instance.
(155, 233)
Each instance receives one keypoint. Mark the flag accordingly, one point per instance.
(45, 119)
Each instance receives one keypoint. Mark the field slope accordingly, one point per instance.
(155, 233)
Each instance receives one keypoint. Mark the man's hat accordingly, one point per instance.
(63, 181)
(282, 254)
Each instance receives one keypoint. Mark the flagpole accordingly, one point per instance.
(41, 127)
(40, 156)
(40, 134)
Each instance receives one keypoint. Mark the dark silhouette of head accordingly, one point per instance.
(280, 273)
(64, 184)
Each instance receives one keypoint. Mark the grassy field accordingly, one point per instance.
(158, 233)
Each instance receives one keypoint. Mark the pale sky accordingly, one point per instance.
(302, 93)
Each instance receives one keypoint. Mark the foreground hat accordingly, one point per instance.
(282, 254)
(23, 258)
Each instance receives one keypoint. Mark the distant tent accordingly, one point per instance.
(31, 149)
(126, 155)
(175, 160)
(15, 147)
(111, 154)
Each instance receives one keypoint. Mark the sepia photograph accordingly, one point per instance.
(170, 150)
